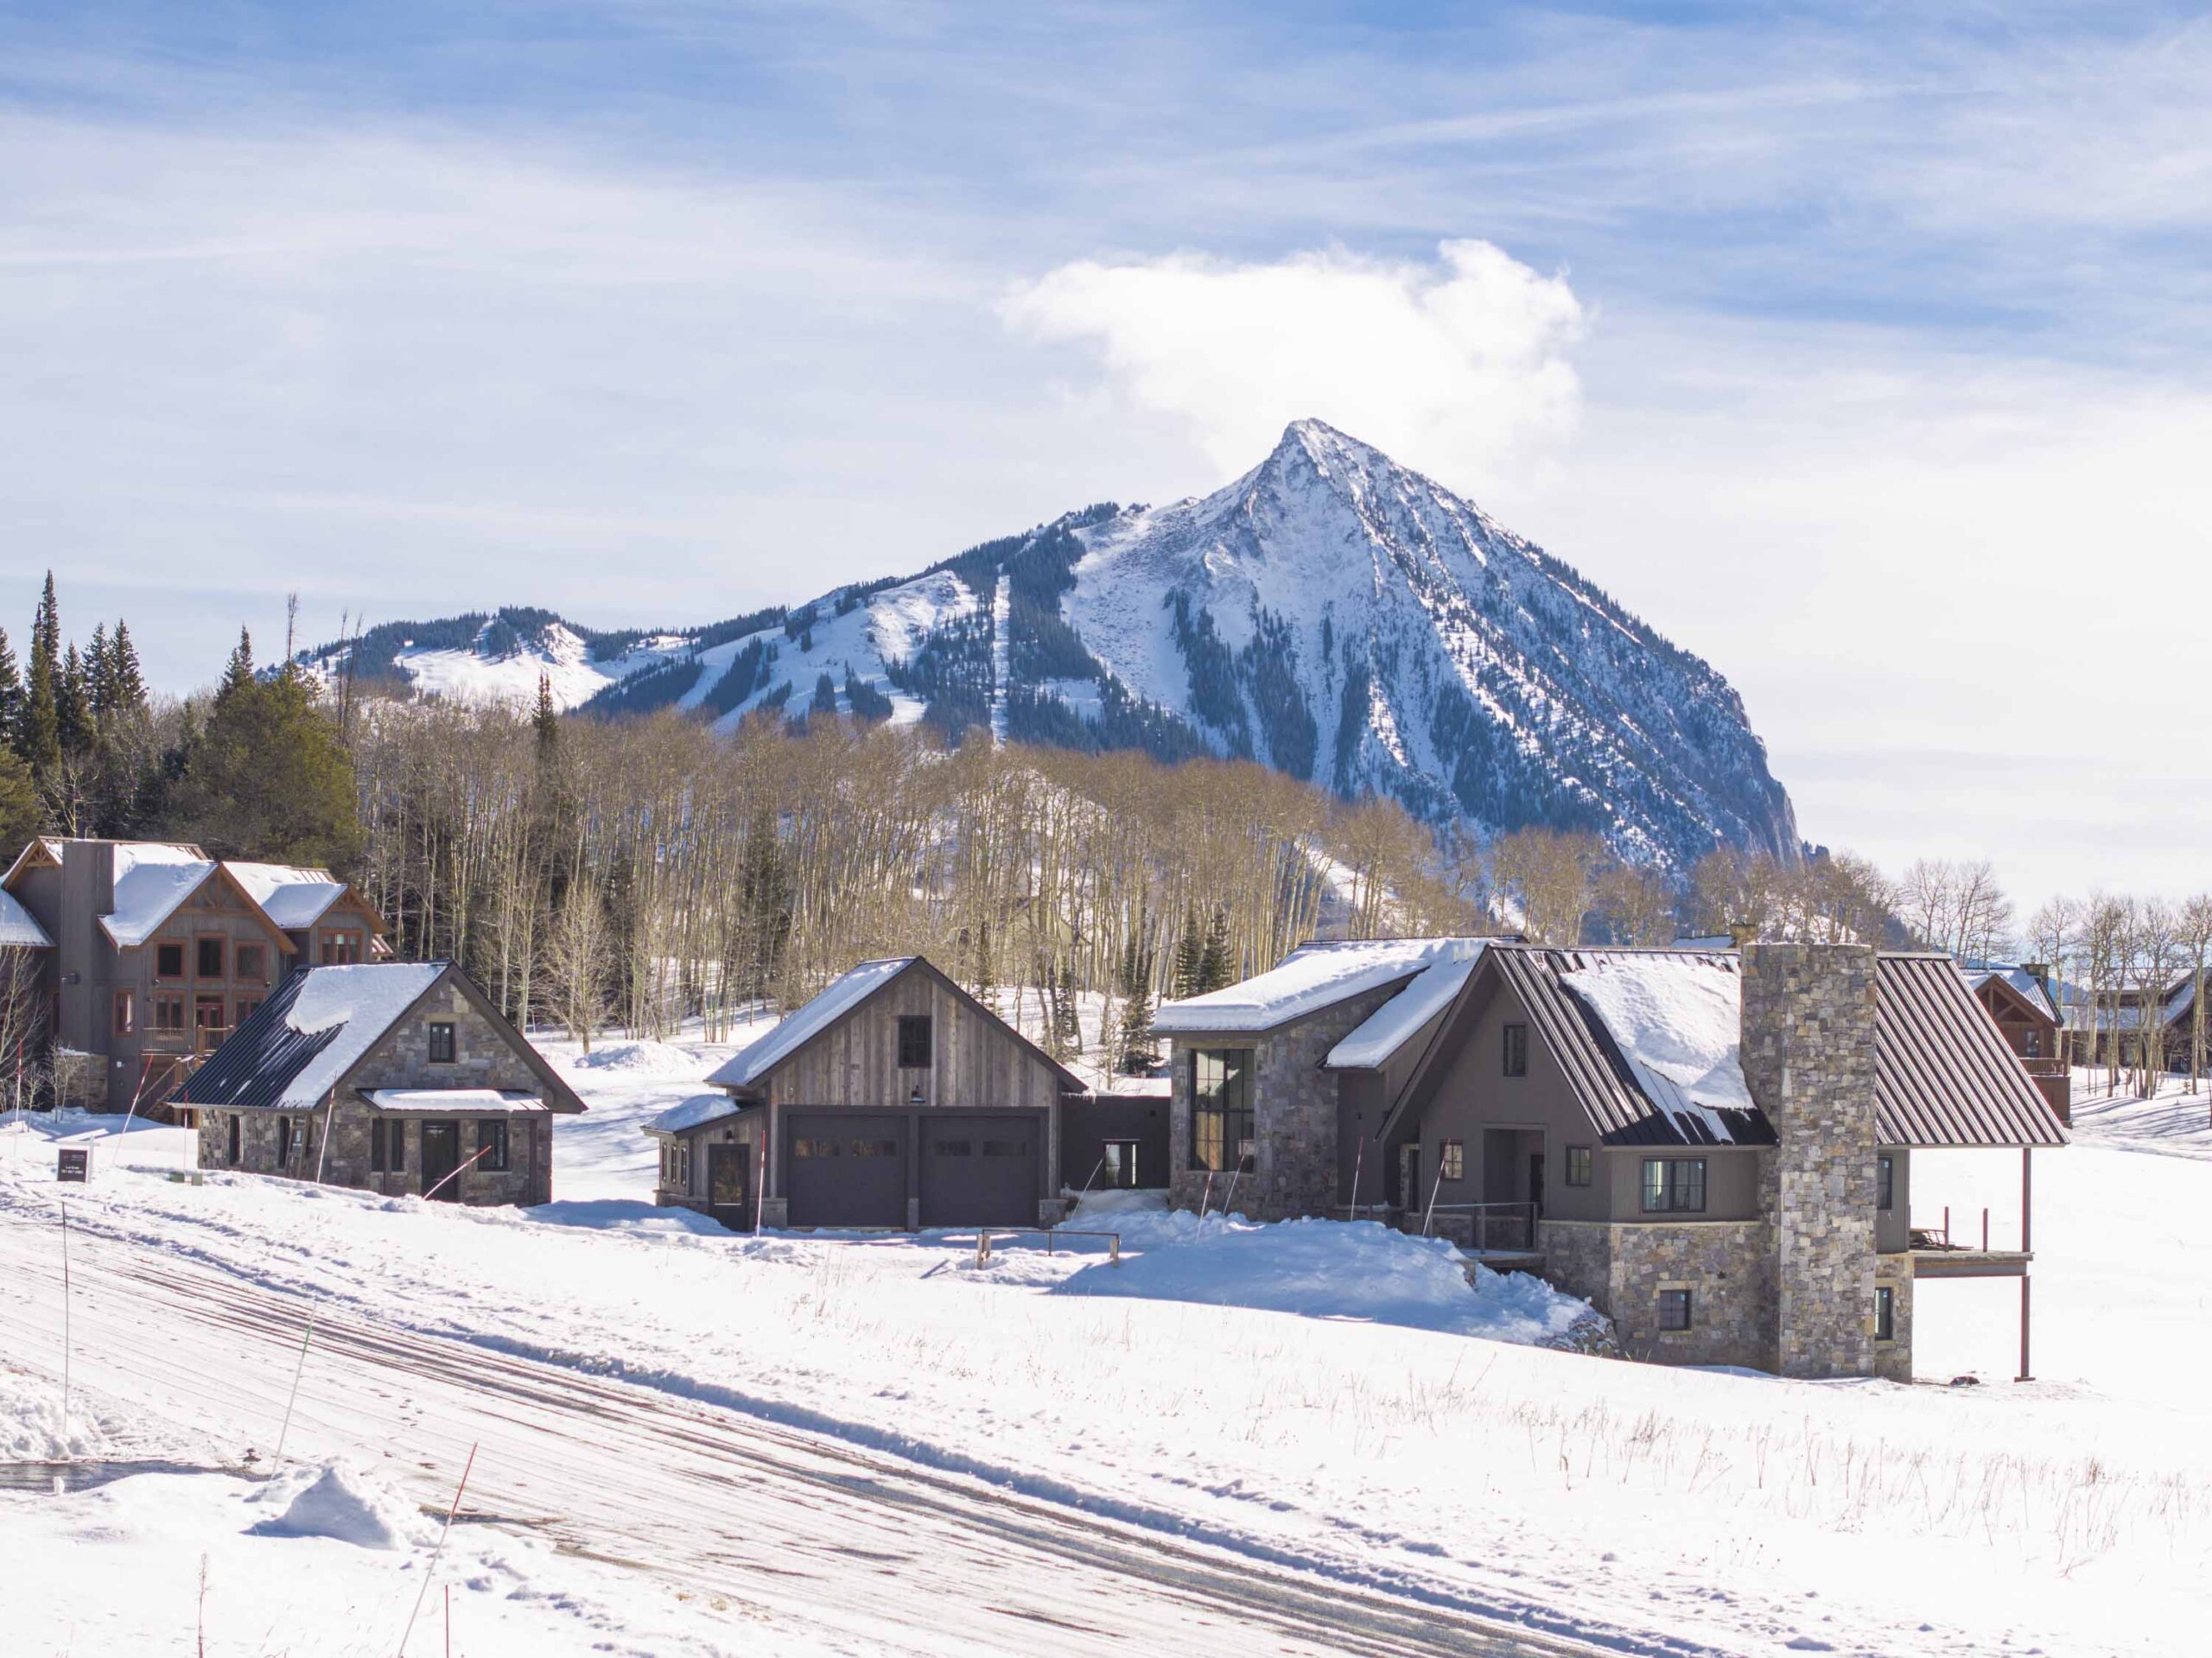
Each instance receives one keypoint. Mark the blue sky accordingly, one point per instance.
(1862, 349)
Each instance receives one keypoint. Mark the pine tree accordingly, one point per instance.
(41, 746)
(1217, 965)
(1189, 956)
(546, 724)
(22, 814)
(1137, 1052)
(238, 672)
(12, 699)
(99, 682)
(126, 685)
(73, 706)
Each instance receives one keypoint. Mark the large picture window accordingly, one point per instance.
(1674, 1185)
(1221, 1109)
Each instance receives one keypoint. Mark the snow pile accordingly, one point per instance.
(625, 1214)
(640, 1059)
(31, 1428)
(1678, 1020)
(342, 1502)
(1332, 1269)
(1309, 978)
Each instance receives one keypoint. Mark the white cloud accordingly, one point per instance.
(1458, 367)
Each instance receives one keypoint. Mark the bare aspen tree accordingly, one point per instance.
(2196, 928)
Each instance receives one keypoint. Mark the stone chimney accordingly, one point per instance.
(1809, 1056)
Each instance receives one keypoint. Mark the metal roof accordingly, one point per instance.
(258, 1062)
(1943, 1074)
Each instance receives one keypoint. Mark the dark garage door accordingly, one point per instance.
(979, 1171)
(846, 1171)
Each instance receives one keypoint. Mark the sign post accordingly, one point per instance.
(73, 1165)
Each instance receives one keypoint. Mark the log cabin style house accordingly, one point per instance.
(2022, 1000)
(1713, 1148)
(160, 951)
(894, 1099)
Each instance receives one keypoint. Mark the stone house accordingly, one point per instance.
(160, 951)
(894, 1099)
(1712, 1146)
(395, 1077)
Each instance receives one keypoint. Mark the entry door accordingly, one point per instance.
(440, 1157)
(729, 1180)
(1536, 1182)
(1121, 1166)
(207, 1022)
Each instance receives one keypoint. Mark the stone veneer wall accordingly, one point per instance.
(1620, 1268)
(1809, 1056)
(1893, 1359)
(1295, 1101)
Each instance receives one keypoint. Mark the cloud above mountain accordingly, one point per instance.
(1459, 365)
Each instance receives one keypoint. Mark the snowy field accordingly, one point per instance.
(1316, 1407)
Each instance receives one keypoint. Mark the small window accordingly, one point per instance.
(284, 1141)
(233, 1149)
(1516, 1051)
(954, 1148)
(168, 1010)
(1885, 1182)
(340, 948)
(377, 1127)
(253, 962)
(885, 1147)
(684, 1166)
(1577, 1166)
(1455, 1159)
(395, 1146)
(442, 1042)
(815, 1147)
(208, 957)
(246, 1004)
(168, 961)
(913, 1041)
(125, 1021)
(1674, 1185)
(491, 1144)
(1885, 1313)
(1674, 1309)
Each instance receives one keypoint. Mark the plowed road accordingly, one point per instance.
(886, 1556)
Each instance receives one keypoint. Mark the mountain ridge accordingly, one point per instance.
(1330, 613)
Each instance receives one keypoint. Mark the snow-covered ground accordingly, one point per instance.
(1329, 1403)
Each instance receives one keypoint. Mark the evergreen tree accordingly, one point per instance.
(11, 699)
(126, 685)
(546, 724)
(765, 905)
(1189, 956)
(99, 684)
(41, 746)
(1067, 1019)
(266, 776)
(73, 706)
(22, 814)
(1217, 965)
(1136, 1051)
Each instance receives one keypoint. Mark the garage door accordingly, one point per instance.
(846, 1171)
(979, 1171)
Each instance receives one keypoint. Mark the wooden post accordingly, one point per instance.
(2027, 1238)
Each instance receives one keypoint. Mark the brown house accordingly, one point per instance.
(894, 1099)
(2019, 999)
(161, 952)
(397, 1077)
(1713, 1148)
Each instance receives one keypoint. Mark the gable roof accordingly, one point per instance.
(19, 928)
(2017, 982)
(1372, 1043)
(151, 879)
(698, 1109)
(316, 1026)
(1312, 977)
(1644, 1040)
(292, 896)
(844, 994)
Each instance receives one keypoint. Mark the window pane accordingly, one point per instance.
(1655, 1185)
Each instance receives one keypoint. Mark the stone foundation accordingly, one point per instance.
(1893, 1359)
(1620, 1269)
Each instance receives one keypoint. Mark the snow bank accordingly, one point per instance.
(624, 1214)
(31, 1428)
(639, 1059)
(339, 1502)
(1678, 1020)
(1331, 1269)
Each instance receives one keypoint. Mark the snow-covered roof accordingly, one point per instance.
(2023, 983)
(314, 1029)
(796, 1029)
(1390, 1026)
(1312, 977)
(19, 928)
(151, 879)
(293, 898)
(462, 1101)
(1677, 1020)
(700, 1107)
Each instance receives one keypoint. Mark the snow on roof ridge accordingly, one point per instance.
(1389, 1027)
(1315, 976)
(839, 997)
(1677, 1020)
(357, 1003)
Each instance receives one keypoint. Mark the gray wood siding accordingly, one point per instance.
(977, 1062)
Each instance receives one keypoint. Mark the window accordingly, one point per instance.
(885, 1147)
(377, 1125)
(284, 1141)
(253, 962)
(168, 1010)
(125, 1024)
(395, 1148)
(1006, 1148)
(1673, 1185)
(1517, 1050)
(1885, 1182)
(954, 1148)
(1120, 1164)
(246, 1004)
(1577, 1166)
(1221, 1109)
(340, 948)
(1673, 1308)
(208, 957)
(1885, 1313)
(491, 1144)
(442, 1042)
(168, 961)
(815, 1147)
(684, 1166)
(913, 1041)
(1455, 1159)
